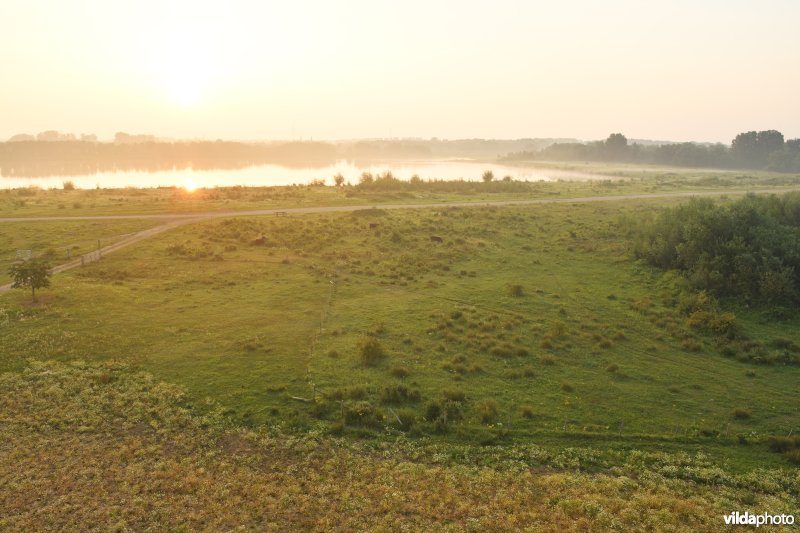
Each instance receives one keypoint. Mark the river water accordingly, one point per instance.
(267, 175)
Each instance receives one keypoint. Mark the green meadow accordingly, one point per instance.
(524, 324)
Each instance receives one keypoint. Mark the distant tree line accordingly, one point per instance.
(51, 153)
(136, 152)
(764, 150)
(748, 250)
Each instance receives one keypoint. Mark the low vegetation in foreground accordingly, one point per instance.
(104, 445)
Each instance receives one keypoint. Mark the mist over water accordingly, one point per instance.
(272, 175)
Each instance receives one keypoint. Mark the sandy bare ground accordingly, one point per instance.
(179, 219)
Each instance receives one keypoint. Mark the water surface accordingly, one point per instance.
(267, 175)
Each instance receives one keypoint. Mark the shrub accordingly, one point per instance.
(362, 414)
(408, 418)
(567, 387)
(612, 368)
(356, 392)
(398, 394)
(742, 414)
(400, 371)
(371, 352)
(793, 456)
(433, 410)
(709, 432)
(691, 345)
(488, 411)
(783, 444)
(557, 329)
(745, 249)
(453, 410)
(515, 291)
(454, 395)
(526, 411)
(548, 360)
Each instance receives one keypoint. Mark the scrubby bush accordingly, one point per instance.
(400, 371)
(783, 444)
(454, 395)
(748, 250)
(433, 410)
(742, 414)
(516, 290)
(370, 351)
(548, 360)
(362, 414)
(399, 394)
(488, 411)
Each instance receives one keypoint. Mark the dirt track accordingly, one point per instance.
(180, 219)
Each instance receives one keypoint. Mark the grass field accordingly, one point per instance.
(529, 336)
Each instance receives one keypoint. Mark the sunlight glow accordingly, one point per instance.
(184, 65)
(190, 185)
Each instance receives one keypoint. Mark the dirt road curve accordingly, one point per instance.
(180, 219)
(136, 237)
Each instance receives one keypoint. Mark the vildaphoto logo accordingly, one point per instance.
(765, 519)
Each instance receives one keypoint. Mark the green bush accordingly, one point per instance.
(742, 414)
(515, 291)
(400, 371)
(454, 395)
(748, 250)
(399, 394)
(488, 411)
(371, 352)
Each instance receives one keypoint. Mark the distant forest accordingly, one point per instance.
(762, 150)
(55, 154)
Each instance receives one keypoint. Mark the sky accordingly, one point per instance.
(701, 70)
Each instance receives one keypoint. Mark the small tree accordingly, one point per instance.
(338, 180)
(488, 176)
(34, 274)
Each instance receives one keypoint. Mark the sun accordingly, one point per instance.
(184, 66)
(185, 91)
(190, 185)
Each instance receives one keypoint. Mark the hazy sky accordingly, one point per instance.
(679, 70)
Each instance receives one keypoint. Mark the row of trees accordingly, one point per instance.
(748, 250)
(766, 150)
(66, 158)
